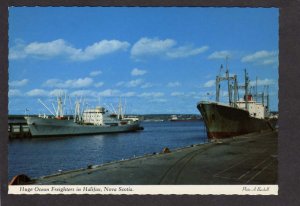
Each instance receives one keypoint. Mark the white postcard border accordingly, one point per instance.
(144, 189)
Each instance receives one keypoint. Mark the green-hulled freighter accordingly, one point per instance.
(238, 117)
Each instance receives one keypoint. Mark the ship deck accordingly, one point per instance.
(247, 159)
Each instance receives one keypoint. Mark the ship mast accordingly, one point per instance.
(59, 107)
(235, 87)
(246, 89)
(77, 112)
(119, 109)
(229, 86)
(268, 98)
(256, 97)
(218, 80)
(228, 82)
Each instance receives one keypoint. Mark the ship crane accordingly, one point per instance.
(120, 109)
(40, 101)
(59, 107)
(245, 87)
(229, 79)
(113, 109)
(54, 109)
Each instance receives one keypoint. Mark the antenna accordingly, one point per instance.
(77, 115)
(246, 89)
(268, 100)
(124, 112)
(59, 107)
(120, 108)
(64, 105)
(221, 67)
(227, 62)
(26, 110)
(83, 105)
(256, 90)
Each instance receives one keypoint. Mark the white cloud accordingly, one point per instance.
(138, 72)
(95, 73)
(120, 83)
(134, 83)
(49, 49)
(18, 83)
(81, 82)
(58, 92)
(152, 94)
(192, 94)
(17, 51)
(100, 48)
(109, 93)
(210, 83)
(99, 84)
(147, 85)
(165, 48)
(220, 54)
(45, 93)
(270, 61)
(177, 94)
(173, 84)
(14, 93)
(37, 93)
(208, 76)
(262, 57)
(60, 47)
(262, 82)
(128, 94)
(158, 100)
(84, 93)
(195, 95)
(147, 46)
(185, 51)
(42, 49)
(71, 83)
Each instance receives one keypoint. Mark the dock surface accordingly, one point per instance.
(247, 159)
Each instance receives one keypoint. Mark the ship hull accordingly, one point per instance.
(41, 127)
(222, 121)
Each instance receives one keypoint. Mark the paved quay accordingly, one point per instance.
(247, 159)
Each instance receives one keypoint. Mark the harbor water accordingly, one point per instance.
(38, 157)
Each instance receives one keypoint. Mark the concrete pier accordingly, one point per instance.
(247, 159)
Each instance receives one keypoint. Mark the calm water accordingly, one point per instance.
(37, 157)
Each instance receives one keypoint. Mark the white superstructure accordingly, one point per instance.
(255, 109)
(99, 116)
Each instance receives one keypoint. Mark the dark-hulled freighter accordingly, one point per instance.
(239, 116)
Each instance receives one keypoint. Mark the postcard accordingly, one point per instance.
(143, 100)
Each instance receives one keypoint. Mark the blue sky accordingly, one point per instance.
(161, 60)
